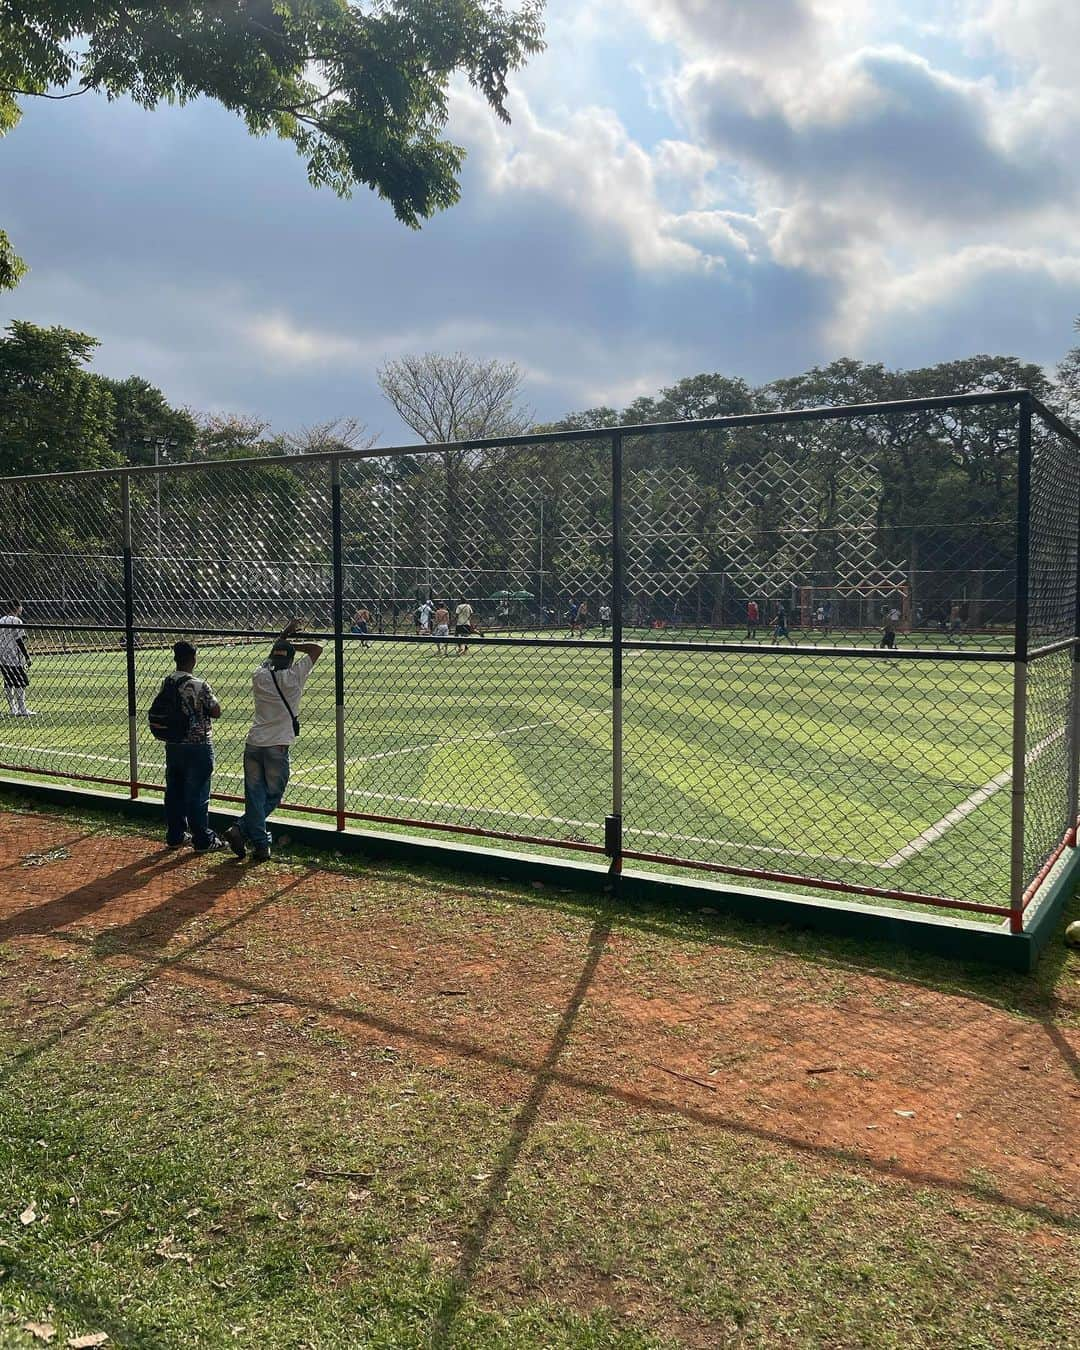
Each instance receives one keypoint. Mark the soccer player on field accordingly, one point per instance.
(780, 628)
(15, 660)
(463, 625)
(362, 626)
(888, 638)
(753, 618)
(605, 619)
(441, 629)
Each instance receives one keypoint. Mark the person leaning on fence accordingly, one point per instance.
(15, 660)
(278, 685)
(189, 753)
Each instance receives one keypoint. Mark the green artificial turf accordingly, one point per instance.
(828, 767)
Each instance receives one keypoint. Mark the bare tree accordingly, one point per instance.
(341, 433)
(455, 399)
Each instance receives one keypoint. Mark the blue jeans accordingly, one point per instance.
(188, 769)
(266, 775)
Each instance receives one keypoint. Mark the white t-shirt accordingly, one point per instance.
(463, 614)
(273, 725)
(425, 614)
(11, 630)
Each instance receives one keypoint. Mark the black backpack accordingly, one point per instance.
(167, 718)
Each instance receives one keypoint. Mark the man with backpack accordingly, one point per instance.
(278, 685)
(180, 716)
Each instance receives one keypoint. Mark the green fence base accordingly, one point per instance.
(959, 939)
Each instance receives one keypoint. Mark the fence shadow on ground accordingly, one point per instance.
(142, 939)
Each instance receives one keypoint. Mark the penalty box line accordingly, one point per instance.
(918, 845)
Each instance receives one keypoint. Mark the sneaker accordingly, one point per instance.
(235, 840)
(186, 840)
(214, 846)
(261, 855)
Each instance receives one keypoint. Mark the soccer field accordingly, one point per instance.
(891, 774)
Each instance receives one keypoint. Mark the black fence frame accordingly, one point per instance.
(1022, 656)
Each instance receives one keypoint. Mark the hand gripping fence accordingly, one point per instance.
(831, 649)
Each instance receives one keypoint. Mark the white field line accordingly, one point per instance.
(983, 794)
(920, 843)
(488, 736)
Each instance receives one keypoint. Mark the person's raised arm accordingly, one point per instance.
(290, 629)
(312, 649)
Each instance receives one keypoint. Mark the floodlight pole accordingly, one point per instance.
(1017, 878)
(339, 640)
(613, 825)
(129, 637)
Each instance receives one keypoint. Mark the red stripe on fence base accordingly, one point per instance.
(1068, 841)
(752, 873)
(793, 879)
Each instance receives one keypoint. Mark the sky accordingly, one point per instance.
(743, 186)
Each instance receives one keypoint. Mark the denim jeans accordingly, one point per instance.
(188, 769)
(266, 774)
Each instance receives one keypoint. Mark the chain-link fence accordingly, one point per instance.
(831, 649)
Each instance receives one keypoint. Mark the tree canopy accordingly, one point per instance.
(54, 414)
(359, 89)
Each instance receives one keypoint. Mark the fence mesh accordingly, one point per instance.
(1049, 732)
(818, 619)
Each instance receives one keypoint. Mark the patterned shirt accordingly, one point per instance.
(196, 699)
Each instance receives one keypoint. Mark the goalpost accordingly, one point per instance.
(855, 606)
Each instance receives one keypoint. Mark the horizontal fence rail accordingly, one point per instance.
(832, 649)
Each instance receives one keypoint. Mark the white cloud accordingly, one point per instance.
(601, 177)
(876, 129)
(1040, 36)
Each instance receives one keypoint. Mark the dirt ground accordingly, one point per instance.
(839, 1062)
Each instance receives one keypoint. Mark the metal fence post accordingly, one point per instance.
(129, 638)
(1018, 875)
(613, 841)
(339, 641)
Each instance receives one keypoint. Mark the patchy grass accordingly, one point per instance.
(362, 1152)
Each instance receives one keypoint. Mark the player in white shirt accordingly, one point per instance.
(463, 617)
(278, 686)
(15, 660)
